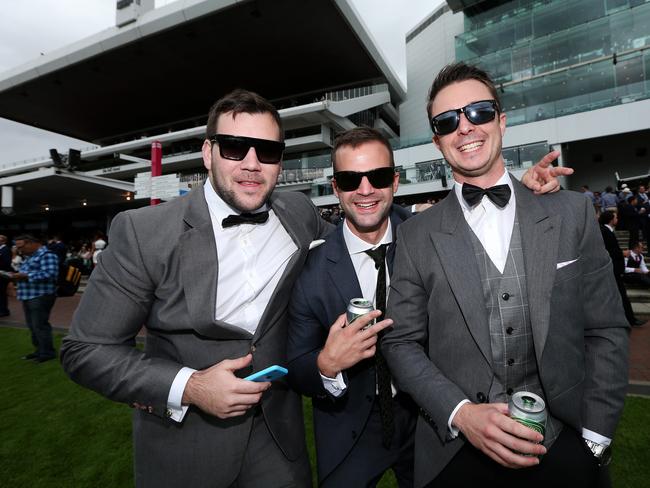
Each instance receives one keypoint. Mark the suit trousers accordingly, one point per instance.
(627, 306)
(368, 460)
(4, 310)
(265, 465)
(569, 462)
(37, 315)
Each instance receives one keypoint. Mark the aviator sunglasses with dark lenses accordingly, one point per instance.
(476, 112)
(236, 148)
(378, 178)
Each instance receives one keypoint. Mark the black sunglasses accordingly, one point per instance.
(236, 148)
(378, 178)
(476, 112)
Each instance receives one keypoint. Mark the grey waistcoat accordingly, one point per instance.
(511, 337)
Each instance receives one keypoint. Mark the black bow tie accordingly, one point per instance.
(245, 218)
(499, 194)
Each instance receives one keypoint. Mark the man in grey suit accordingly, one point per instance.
(212, 290)
(496, 291)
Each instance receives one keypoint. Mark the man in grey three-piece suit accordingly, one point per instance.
(212, 291)
(494, 291)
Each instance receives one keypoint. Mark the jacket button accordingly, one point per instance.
(253, 348)
(511, 362)
(480, 396)
(506, 296)
(509, 330)
(509, 391)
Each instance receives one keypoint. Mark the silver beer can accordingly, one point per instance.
(358, 307)
(528, 409)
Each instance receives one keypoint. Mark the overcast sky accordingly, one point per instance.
(29, 28)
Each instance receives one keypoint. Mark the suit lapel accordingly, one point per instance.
(341, 270)
(199, 270)
(293, 222)
(540, 235)
(454, 246)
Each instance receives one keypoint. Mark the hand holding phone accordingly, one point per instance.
(268, 374)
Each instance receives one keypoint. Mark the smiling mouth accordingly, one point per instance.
(365, 205)
(472, 146)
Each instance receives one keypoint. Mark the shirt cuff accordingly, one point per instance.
(453, 431)
(334, 386)
(175, 409)
(629, 270)
(592, 436)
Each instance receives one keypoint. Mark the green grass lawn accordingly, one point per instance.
(56, 434)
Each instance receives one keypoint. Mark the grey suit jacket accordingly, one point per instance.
(160, 271)
(439, 348)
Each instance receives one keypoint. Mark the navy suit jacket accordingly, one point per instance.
(326, 285)
(5, 258)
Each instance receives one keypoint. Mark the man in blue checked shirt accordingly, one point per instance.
(36, 288)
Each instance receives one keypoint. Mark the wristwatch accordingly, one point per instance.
(601, 452)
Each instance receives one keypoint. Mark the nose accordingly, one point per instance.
(365, 187)
(250, 161)
(464, 125)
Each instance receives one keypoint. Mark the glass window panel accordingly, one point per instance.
(629, 78)
(615, 5)
(620, 27)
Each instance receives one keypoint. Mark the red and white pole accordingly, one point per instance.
(156, 165)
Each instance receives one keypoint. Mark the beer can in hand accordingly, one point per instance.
(358, 307)
(528, 409)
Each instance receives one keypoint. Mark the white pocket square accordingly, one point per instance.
(315, 243)
(566, 263)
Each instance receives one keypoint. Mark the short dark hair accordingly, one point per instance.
(240, 101)
(28, 238)
(606, 217)
(457, 72)
(357, 136)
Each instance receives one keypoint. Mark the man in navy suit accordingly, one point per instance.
(358, 436)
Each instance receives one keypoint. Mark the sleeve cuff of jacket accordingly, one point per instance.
(175, 409)
(334, 386)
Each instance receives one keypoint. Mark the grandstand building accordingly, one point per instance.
(573, 75)
(154, 76)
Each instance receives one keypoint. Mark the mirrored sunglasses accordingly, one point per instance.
(477, 113)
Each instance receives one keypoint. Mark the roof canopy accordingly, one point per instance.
(166, 70)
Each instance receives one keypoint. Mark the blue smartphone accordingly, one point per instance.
(269, 374)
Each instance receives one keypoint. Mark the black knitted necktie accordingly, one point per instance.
(384, 396)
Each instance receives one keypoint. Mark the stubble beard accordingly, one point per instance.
(232, 199)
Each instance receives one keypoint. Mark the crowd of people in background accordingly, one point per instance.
(631, 206)
(628, 210)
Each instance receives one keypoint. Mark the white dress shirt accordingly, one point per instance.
(364, 267)
(493, 228)
(642, 265)
(490, 223)
(251, 260)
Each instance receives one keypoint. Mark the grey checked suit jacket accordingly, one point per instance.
(439, 347)
(160, 271)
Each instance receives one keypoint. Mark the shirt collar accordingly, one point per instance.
(504, 180)
(218, 208)
(609, 227)
(356, 245)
